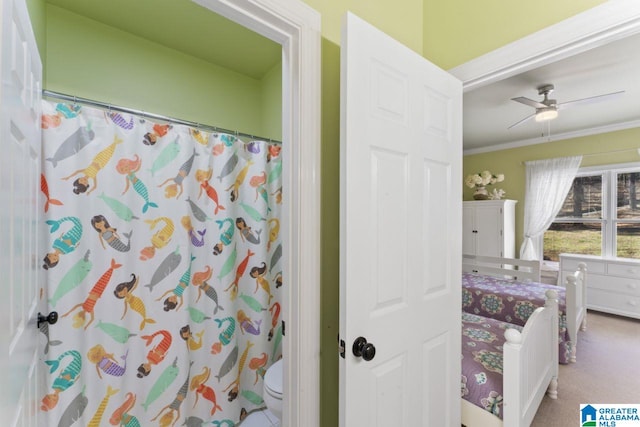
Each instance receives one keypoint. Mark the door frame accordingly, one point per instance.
(296, 27)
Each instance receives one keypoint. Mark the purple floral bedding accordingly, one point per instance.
(481, 381)
(513, 302)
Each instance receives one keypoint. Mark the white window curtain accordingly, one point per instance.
(548, 183)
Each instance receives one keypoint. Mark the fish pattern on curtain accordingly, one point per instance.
(163, 259)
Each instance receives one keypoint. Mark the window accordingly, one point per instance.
(627, 215)
(600, 216)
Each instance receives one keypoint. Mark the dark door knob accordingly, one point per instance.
(364, 349)
(51, 318)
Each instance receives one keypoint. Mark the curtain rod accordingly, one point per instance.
(603, 153)
(111, 107)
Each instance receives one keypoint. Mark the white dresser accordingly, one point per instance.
(613, 285)
(489, 228)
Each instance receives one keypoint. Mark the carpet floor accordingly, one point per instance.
(607, 371)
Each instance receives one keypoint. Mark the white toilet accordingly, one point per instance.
(272, 389)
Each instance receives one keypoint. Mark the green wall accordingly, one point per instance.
(401, 19)
(38, 16)
(594, 148)
(271, 105)
(91, 60)
(330, 226)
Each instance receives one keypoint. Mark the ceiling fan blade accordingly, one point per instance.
(521, 121)
(590, 100)
(530, 102)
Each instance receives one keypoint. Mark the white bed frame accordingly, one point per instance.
(530, 368)
(529, 271)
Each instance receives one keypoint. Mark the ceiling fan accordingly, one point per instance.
(547, 109)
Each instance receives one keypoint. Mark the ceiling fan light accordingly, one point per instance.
(546, 114)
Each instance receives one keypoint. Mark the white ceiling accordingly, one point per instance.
(489, 111)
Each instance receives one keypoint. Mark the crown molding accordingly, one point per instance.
(561, 136)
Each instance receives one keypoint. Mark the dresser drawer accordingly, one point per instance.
(614, 284)
(624, 270)
(571, 264)
(613, 303)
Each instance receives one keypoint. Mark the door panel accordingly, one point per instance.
(489, 226)
(21, 72)
(468, 235)
(400, 216)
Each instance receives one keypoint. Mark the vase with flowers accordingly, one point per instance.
(479, 183)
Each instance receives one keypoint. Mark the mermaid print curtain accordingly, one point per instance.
(163, 260)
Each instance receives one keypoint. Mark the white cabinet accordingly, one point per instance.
(613, 285)
(488, 228)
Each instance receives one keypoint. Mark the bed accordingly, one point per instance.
(507, 369)
(509, 290)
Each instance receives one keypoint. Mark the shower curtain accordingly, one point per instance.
(163, 259)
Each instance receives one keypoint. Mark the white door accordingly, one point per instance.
(21, 76)
(400, 231)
